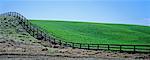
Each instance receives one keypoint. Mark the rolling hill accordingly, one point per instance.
(96, 33)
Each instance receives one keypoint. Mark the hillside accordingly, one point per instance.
(15, 40)
(96, 33)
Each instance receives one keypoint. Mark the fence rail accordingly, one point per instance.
(42, 34)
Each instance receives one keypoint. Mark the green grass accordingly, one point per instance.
(96, 33)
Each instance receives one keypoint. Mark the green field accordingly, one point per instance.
(96, 33)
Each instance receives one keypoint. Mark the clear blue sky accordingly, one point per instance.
(103, 11)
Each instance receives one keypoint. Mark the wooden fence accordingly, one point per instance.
(42, 34)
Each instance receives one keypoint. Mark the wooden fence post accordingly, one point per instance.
(33, 32)
(49, 39)
(24, 23)
(120, 48)
(29, 28)
(88, 46)
(80, 45)
(60, 42)
(134, 48)
(66, 43)
(37, 33)
(97, 46)
(45, 37)
(108, 47)
(73, 45)
(54, 41)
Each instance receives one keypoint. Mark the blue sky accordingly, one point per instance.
(103, 11)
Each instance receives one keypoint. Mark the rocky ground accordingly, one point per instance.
(15, 41)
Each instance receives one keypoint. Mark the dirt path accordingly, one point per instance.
(13, 57)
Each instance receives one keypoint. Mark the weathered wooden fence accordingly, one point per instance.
(115, 47)
(42, 34)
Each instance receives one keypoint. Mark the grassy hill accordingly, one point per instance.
(96, 33)
(15, 40)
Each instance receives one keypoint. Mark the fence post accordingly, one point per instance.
(54, 41)
(73, 45)
(134, 48)
(41, 35)
(49, 38)
(88, 46)
(108, 47)
(24, 24)
(97, 46)
(33, 32)
(30, 28)
(120, 48)
(37, 33)
(59, 42)
(45, 37)
(80, 45)
(66, 43)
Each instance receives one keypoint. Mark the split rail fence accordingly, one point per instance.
(42, 34)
